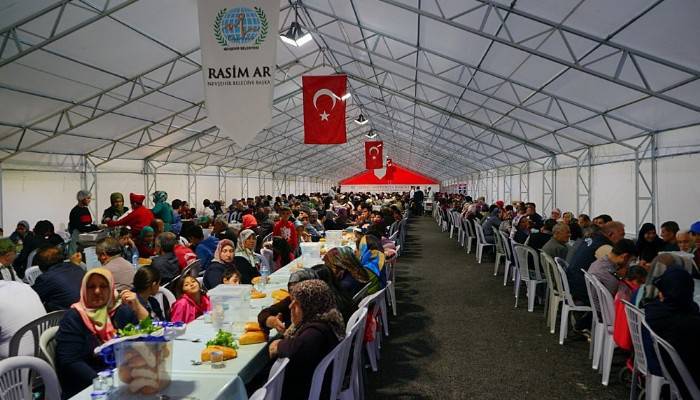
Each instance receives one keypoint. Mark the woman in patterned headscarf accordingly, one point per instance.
(372, 259)
(116, 210)
(346, 269)
(162, 209)
(317, 327)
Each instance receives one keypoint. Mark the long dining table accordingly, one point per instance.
(191, 379)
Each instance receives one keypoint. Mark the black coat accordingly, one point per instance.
(59, 287)
(76, 363)
(167, 265)
(305, 351)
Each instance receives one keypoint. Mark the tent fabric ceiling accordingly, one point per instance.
(451, 86)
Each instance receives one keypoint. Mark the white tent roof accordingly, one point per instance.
(452, 86)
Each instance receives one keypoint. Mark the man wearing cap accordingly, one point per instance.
(8, 252)
(138, 218)
(695, 236)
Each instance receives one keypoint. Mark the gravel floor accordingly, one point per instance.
(457, 335)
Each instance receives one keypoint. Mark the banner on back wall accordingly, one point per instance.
(238, 39)
(374, 154)
(324, 109)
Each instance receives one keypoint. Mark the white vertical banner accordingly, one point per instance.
(238, 39)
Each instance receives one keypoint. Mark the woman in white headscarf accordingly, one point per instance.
(246, 246)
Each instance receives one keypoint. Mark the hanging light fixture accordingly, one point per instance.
(295, 35)
(361, 120)
(371, 134)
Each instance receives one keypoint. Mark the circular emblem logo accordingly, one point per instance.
(240, 25)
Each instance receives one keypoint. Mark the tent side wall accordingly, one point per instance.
(42, 191)
(654, 179)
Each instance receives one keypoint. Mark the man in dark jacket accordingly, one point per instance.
(537, 240)
(58, 286)
(418, 198)
(166, 262)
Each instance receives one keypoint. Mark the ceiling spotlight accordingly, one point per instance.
(371, 134)
(345, 96)
(295, 36)
(361, 120)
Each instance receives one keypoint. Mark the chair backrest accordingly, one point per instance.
(36, 327)
(31, 274)
(550, 273)
(528, 272)
(272, 389)
(15, 381)
(338, 358)
(361, 294)
(592, 296)
(267, 238)
(47, 344)
(635, 316)
(394, 236)
(563, 281)
(606, 301)
(355, 331)
(470, 227)
(479, 233)
(269, 256)
(168, 295)
(371, 299)
(499, 242)
(505, 243)
(662, 347)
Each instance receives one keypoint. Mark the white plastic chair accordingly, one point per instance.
(30, 258)
(47, 345)
(376, 299)
(481, 242)
(355, 331)
(662, 347)
(272, 389)
(391, 283)
(568, 304)
(531, 277)
(607, 309)
(31, 274)
(554, 295)
(453, 223)
(338, 357)
(653, 383)
(597, 327)
(469, 232)
(500, 252)
(168, 295)
(15, 383)
(35, 328)
(509, 265)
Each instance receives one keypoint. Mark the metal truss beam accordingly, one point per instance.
(549, 182)
(88, 181)
(150, 176)
(116, 96)
(575, 64)
(583, 182)
(645, 183)
(60, 27)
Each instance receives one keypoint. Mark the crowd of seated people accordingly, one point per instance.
(148, 248)
(655, 271)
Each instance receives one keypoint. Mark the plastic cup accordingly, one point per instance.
(217, 359)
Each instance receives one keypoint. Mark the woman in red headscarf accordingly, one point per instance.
(138, 218)
(88, 323)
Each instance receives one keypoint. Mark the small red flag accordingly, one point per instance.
(374, 154)
(324, 110)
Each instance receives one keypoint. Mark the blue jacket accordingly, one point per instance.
(76, 363)
(59, 287)
(205, 250)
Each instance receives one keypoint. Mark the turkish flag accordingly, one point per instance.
(374, 152)
(324, 111)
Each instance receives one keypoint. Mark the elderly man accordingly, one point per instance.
(684, 241)
(109, 252)
(557, 245)
(166, 262)
(8, 252)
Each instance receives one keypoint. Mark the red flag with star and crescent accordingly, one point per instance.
(374, 152)
(324, 109)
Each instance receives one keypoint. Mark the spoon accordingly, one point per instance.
(196, 362)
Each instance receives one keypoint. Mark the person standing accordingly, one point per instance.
(418, 198)
(80, 219)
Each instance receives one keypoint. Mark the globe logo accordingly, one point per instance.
(240, 25)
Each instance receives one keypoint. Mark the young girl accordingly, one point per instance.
(192, 302)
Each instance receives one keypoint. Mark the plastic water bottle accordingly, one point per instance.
(264, 273)
(135, 258)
